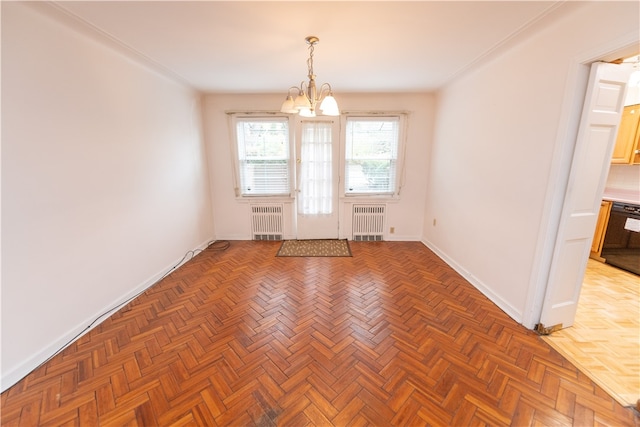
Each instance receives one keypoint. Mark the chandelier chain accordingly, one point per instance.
(310, 60)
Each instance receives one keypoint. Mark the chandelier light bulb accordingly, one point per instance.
(329, 106)
(302, 101)
(288, 106)
(307, 112)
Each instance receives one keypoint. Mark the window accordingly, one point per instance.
(371, 155)
(263, 156)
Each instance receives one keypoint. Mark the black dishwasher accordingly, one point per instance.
(621, 246)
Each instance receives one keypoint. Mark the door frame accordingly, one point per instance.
(561, 168)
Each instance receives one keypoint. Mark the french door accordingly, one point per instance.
(317, 179)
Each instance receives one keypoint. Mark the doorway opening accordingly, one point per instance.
(604, 340)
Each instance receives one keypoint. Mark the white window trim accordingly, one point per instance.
(233, 119)
(400, 172)
(233, 116)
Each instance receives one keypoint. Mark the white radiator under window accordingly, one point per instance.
(368, 222)
(266, 222)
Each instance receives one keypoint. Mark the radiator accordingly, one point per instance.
(266, 222)
(368, 222)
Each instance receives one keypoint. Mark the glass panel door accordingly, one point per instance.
(317, 180)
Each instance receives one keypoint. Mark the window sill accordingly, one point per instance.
(366, 198)
(264, 199)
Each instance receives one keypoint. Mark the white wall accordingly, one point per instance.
(493, 166)
(624, 177)
(405, 214)
(633, 91)
(104, 182)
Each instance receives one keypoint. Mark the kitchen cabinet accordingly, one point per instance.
(601, 229)
(626, 150)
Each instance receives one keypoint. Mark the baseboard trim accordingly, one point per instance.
(478, 284)
(25, 368)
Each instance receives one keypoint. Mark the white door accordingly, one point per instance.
(601, 115)
(317, 179)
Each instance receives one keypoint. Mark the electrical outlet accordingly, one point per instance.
(392, 230)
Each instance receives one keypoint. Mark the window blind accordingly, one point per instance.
(263, 156)
(371, 155)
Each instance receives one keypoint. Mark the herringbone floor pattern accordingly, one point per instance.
(391, 336)
(604, 341)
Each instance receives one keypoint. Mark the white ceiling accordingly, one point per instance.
(378, 46)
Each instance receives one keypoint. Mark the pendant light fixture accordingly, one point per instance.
(309, 97)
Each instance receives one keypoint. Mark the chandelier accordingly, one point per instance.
(307, 100)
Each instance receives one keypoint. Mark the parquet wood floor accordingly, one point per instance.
(390, 336)
(604, 341)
